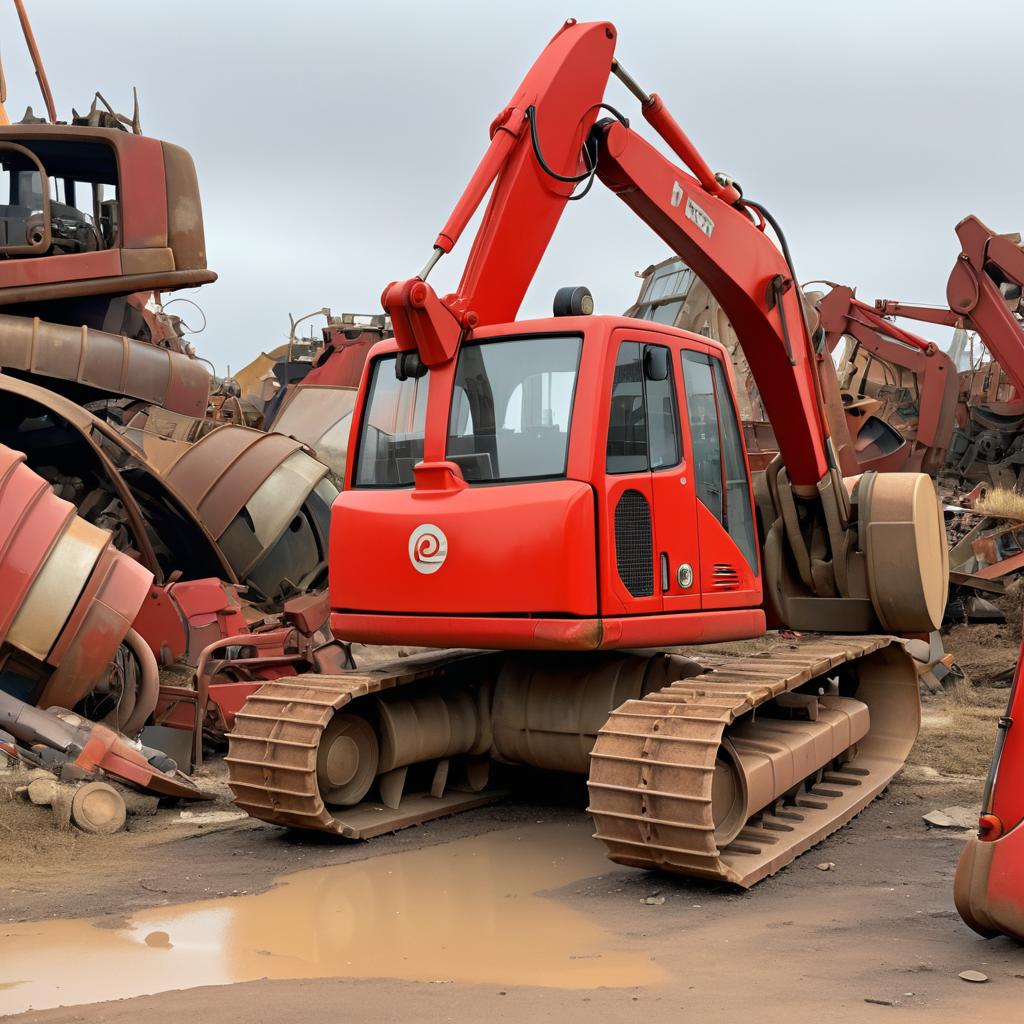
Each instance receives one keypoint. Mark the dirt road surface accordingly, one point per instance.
(506, 913)
(513, 915)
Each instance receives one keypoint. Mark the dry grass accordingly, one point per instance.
(986, 652)
(958, 735)
(1012, 604)
(1001, 502)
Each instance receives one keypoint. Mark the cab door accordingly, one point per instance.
(675, 499)
(626, 520)
(648, 505)
(728, 565)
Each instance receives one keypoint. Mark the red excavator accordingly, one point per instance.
(571, 497)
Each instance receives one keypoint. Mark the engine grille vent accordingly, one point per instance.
(724, 577)
(634, 544)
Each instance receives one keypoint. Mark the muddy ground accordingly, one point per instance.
(873, 937)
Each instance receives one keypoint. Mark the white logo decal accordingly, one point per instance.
(428, 548)
(677, 193)
(699, 217)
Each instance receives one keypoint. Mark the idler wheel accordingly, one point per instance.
(346, 762)
(728, 797)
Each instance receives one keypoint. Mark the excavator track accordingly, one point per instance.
(273, 749)
(730, 771)
(658, 761)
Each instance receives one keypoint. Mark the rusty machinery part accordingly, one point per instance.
(235, 659)
(147, 689)
(148, 236)
(897, 392)
(68, 598)
(882, 564)
(98, 808)
(688, 780)
(125, 698)
(320, 416)
(988, 443)
(102, 364)
(57, 738)
(110, 479)
(683, 776)
(182, 618)
(266, 501)
(236, 503)
(317, 409)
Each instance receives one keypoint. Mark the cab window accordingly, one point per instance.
(643, 424)
(719, 467)
(391, 435)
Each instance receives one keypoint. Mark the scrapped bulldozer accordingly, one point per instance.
(561, 504)
(106, 408)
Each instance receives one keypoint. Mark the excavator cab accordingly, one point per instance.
(604, 454)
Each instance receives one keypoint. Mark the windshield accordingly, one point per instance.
(512, 407)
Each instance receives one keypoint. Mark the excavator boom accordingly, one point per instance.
(539, 142)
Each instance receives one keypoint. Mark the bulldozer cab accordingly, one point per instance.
(90, 210)
(574, 482)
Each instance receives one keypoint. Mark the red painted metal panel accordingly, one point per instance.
(143, 193)
(529, 633)
(510, 549)
(75, 266)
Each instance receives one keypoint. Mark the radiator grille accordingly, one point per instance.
(634, 545)
(724, 577)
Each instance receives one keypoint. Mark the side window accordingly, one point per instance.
(739, 517)
(391, 436)
(704, 436)
(643, 425)
(662, 418)
(718, 465)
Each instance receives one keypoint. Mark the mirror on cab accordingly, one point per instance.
(656, 365)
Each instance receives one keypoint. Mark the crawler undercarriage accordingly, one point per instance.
(725, 770)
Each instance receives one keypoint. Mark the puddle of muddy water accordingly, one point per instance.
(465, 911)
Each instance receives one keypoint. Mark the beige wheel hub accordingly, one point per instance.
(347, 760)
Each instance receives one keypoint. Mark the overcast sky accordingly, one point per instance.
(331, 139)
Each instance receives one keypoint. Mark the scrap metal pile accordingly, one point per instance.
(146, 510)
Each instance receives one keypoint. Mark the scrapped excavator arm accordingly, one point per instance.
(844, 315)
(547, 142)
(984, 294)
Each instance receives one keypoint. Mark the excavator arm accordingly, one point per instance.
(984, 294)
(873, 443)
(547, 141)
